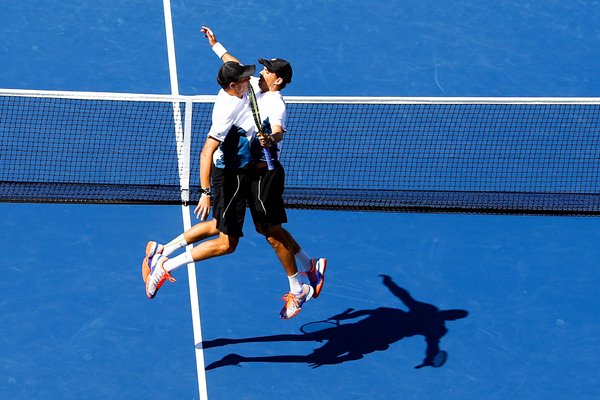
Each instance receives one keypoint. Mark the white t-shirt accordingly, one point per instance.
(272, 110)
(233, 126)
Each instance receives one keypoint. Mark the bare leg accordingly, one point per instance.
(278, 238)
(201, 231)
(221, 245)
(290, 241)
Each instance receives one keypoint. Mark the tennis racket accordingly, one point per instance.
(258, 122)
(439, 359)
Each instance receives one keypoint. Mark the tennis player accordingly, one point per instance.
(268, 212)
(299, 292)
(227, 149)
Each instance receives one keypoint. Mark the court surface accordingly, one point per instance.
(77, 324)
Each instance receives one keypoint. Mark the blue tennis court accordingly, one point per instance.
(77, 324)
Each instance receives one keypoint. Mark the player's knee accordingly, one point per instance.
(229, 248)
(273, 235)
(273, 241)
(272, 232)
(227, 245)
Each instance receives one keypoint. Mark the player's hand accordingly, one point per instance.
(208, 33)
(265, 140)
(203, 208)
(207, 344)
(386, 279)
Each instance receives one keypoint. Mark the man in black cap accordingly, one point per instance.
(268, 210)
(227, 149)
(264, 192)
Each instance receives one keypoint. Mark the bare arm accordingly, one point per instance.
(276, 136)
(212, 40)
(276, 130)
(277, 133)
(210, 146)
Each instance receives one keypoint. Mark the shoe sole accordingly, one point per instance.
(152, 248)
(319, 287)
(145, 269)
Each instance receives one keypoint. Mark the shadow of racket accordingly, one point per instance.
(317, 326)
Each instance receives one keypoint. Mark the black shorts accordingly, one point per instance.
(230, 196)
(266, 203)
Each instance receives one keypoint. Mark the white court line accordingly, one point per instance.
(183, 154)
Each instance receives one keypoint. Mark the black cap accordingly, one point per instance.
(232, 71)
(281, 67)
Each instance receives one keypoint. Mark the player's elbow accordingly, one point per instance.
(205, 156)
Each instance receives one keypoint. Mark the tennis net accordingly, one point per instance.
(481, 155)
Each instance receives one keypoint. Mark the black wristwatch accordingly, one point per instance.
(205, 191)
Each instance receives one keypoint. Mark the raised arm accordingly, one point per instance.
(217, 47)
(399, 292)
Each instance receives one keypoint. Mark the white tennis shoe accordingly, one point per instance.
(152, 248)
(158, 275)
(316, 275)
(293, 303)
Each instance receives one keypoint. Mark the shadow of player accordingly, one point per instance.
(378, 329)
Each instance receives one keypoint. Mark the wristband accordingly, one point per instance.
(219, 49)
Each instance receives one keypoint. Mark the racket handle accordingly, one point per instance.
(268, 158)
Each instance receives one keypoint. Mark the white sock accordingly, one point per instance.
(304, 260)
(295, 285)
(174, 245)
(176, 262)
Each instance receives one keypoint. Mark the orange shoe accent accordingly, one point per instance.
(145, 269)
(290, 301)
(315, 280)
(293, 303)
(165, 276)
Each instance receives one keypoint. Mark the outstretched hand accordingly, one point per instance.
(230, 359)
(208, 33)
(207, 344)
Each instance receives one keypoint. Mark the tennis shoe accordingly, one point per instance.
(293, 303)
(158, 275)
(316, 275)
(152, 249)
